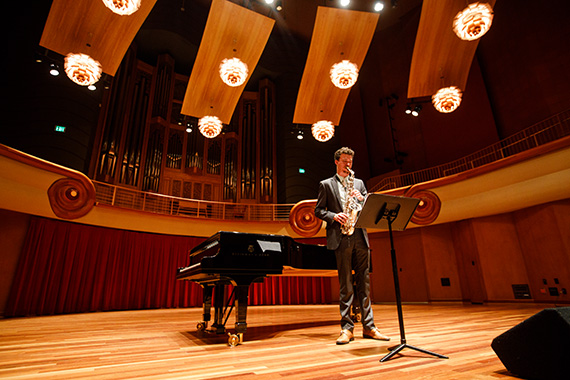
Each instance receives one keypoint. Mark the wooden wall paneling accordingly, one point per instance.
(543, 234)
(411, 267)
(561, 210)
(500, 256)
(442, 275)
(381, 279)
(465, 246)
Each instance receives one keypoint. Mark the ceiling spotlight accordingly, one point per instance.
(447, 99)
(344, 3)
(416, 110)
(322, 130)
(123, 7)
(408, 110)
(233, 72)
(92, 87)
(210, 126)
(474, 21)
(53, 69)
(344, 74)
(378, 6)
(300, 134)
(82, 69)
(279, 5)
(269, 1)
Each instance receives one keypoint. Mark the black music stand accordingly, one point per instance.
(391, 212)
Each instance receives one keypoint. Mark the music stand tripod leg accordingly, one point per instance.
(396, 349)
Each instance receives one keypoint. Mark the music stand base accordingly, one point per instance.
(395, 349)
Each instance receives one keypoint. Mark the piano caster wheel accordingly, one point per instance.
(201, 326)
(234, 339)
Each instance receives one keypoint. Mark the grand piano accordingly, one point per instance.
(240, 259)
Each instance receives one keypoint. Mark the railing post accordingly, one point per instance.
(114, 195)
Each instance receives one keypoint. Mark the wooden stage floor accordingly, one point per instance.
(290, 342)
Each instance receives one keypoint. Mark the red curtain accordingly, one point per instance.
(68, 268)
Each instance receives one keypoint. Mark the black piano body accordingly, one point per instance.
(240, 259)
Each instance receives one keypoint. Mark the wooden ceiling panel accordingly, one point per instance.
(338, 34)
(89, 27)
(231, 31)
(440, 58)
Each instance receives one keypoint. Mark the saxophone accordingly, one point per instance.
(351, 206)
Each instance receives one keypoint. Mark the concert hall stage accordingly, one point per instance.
(293, 342)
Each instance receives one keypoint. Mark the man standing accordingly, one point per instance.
(351, 250)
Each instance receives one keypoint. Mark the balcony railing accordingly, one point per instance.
(549, 130)
(541, 133)
(117, 196)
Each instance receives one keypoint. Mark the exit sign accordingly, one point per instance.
(60, 128)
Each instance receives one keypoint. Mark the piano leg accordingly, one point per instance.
(219, 323)
(207, 305)
(242, 296)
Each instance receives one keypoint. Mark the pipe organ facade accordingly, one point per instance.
(145, 143)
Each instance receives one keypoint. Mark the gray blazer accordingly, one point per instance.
(329, 204)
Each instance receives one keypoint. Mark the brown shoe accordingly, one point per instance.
(345, 337)
(374, 333)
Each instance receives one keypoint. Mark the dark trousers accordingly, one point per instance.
(353, 254)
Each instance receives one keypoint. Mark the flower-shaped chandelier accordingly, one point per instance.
(344, 74)
(123, 7)
(233, 72)
(210, 126)
(322, 130)
(447, 99)
(82, 69)
(474, 21)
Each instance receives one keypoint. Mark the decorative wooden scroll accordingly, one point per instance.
(302, 218)
(428, 208)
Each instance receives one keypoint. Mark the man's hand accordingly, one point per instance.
(341, 217)
(356, 194)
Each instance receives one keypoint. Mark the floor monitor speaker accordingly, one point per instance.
(539, 347)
